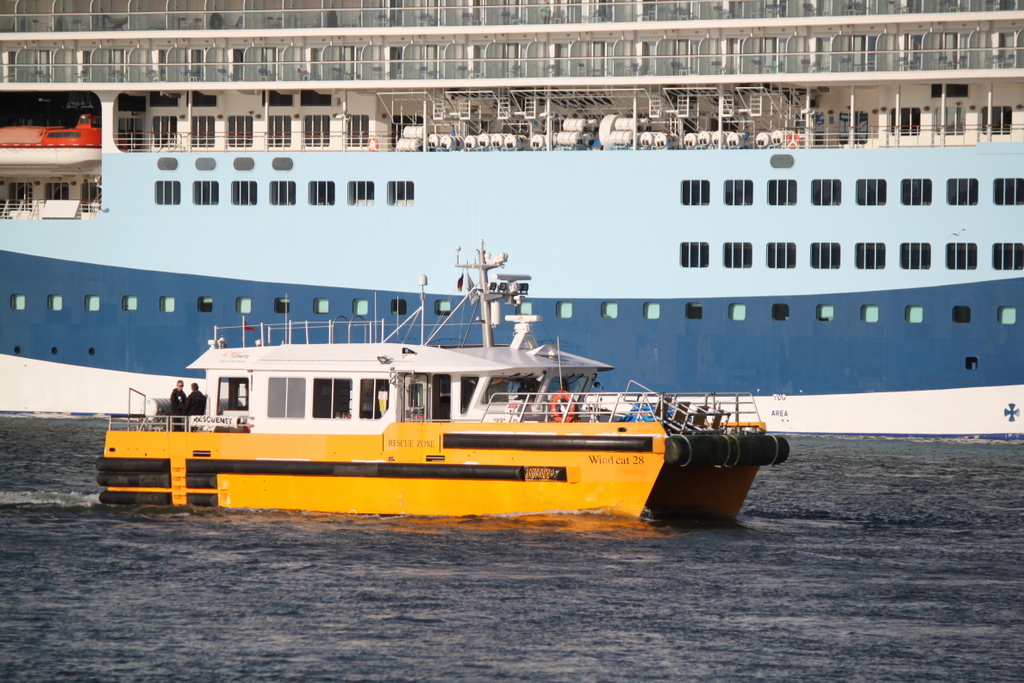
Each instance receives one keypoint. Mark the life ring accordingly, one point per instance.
(373, 145)
(793, 141)
(560, 413)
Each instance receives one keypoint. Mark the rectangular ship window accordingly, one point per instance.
(826, 192)
(360, 306)
(962, 314)
(737, 311)
(282, 192)
(92, 302)
(129, 303)
(286, 397)
(782, 192)
(871, 192)
(55, 302)
(737, 255)
(525, 308)
(869, 313)
(205, 193)
(321, 193)
(782, 255)
(1008, 191)
(57, 191)
(1006, 315)
(243, 192)
(400, 193)
(915, 256)
(332, 398)
(233, 394)
(652, 310)
(399, 306)
(694, 311)
(916, 191)
(443, 308)
(739, 192)
(167, 304)
(961, 256)
(167, 192)
(373, 398)
(609, 309)
(870, 255)
(825, 313)
(240, 131)
(282, 306)
(18, 302)
(693, 254)
(243, 305)
(914, 314)
(316, 130)
(563, 309)
(203, 135)
(321, 306)
(695, 192)
(360, 193)
(780, 312)
(825, 255)
(1008, 256)
(962, 191)
(204, 304)
(279, 131)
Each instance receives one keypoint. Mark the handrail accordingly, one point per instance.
(506, 15)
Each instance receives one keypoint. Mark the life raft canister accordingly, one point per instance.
(560, 413)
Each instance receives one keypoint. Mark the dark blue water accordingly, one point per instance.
(858, 560)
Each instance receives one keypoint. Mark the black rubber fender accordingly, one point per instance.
(710, 450)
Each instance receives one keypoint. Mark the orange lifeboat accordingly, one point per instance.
(41, 148)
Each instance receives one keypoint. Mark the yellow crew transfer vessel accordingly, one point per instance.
(390, 428)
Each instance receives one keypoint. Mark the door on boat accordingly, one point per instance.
(428, 398)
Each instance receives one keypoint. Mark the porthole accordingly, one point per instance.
(53, 351)
(17, 350)
(92, 351)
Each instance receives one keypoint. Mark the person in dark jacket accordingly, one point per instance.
(195, 404)
(178, 401)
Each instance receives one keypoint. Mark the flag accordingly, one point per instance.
(458, 286)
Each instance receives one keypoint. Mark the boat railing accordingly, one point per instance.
(500, 15)
(679, 413)
(140, 422)
(13, 209)
(338, 330)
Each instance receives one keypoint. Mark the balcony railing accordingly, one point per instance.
(514, 69)
(512, 14)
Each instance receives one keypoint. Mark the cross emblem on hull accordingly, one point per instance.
(1013, 412)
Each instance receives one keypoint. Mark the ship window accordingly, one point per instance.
(525, 308)
(203, 131)
(373, 398)
(1008, 256)
(398, 306)
(233, 394)
(870, 255)
(282, 164)
(468, 388)
(915, 256)
(321, 193)
(652, 310)
(92, 302)
(19, 191)
(1006, 315)
(360, 193)
(694, 254)
(443, 308)
(695, 192)
(825, 313)
(317, 130)
(167, 304)
(279, 131)
(1002, 118)
(962, 314)
(58, 191)
(503, 389)
(914, 314)
(157, 99)
(206, 164)
(360, 306)
(739, 192)
(129, 303)
(321, 306)
(18, 302)
(737, 311)
(916, 191)
(782, 255)
(55, 302)
(400, 192)
(282, 192)
(200, 99)
(243, 192)
(737, 255)
(909, 120)
(244, 164)
(780, 311)
(826, 192)
(90, 191)
(282, 305)
(165, 131)
(239, 131)
(243, 305)
(332, 398)
(971, 363)
(167, 164)
(782, 192)
(825, 255)
(869, 313)
(694, 311)
(286, 397)
(1008, 191)
(962, 191)
(204, 304)
(205, 192)
(167, 192)
(563, 309)
(871, 192)
(609, 309)
(961, 256)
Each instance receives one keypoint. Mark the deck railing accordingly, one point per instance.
(497, 14)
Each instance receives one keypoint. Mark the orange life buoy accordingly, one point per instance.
(373, 145)
(793, 141)
(560, 413)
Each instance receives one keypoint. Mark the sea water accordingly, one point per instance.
(857, 560)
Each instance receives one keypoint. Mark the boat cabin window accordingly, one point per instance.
(499, 388)
(232, 394)
(576, 384)
(373, 398)
(332, 398)
(467, 389)
(286, 397)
